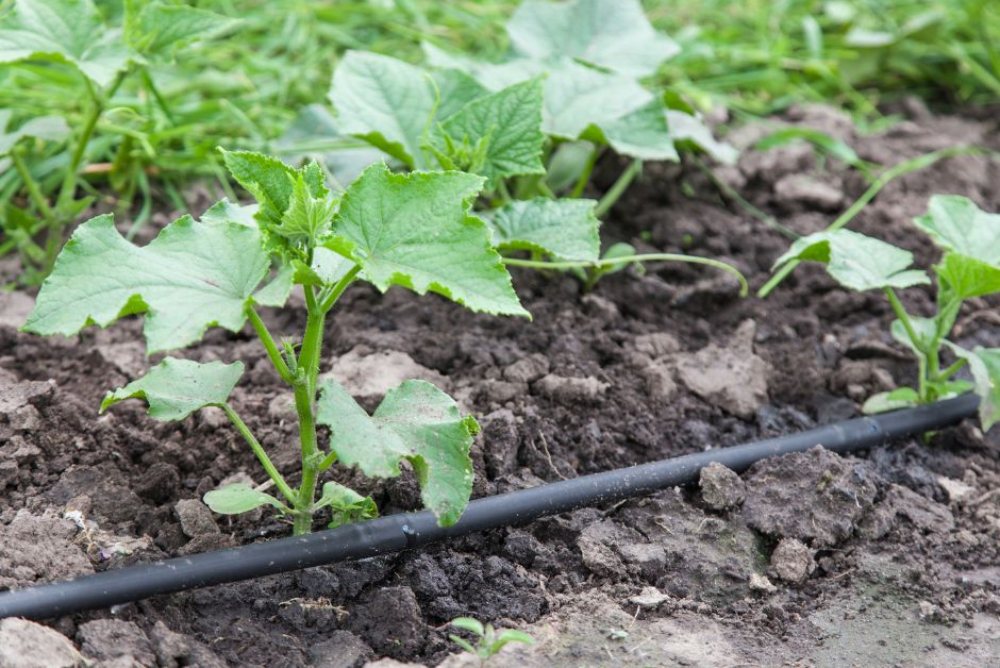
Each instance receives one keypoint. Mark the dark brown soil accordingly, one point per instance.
(891, 558)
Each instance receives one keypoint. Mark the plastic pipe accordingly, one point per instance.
(395, 533)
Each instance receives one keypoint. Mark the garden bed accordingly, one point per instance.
(905, 542)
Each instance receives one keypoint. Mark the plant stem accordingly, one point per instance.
(331, 299)
(904, 318)
(588, 169)
(900, 169)
(68, 188)
(950, 371)
(34, 191)
(305, 402)
(270, 346)
(618, 188)
(645, 257)
(258, 450)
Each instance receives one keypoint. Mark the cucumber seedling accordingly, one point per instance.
(488, 640)
(412, 230)
(968, 268)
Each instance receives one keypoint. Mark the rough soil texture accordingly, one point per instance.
(891, 557)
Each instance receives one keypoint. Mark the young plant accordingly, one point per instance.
(411, 230)
(969, 267)
(82, 59)
(488, 641)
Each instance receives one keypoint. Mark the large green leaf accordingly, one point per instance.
(154, 27)
(955, 223)
(612, 34)
(964, 277)
(385, 101)
(984, 363)
(192, 276)
(509, 123)
(857, 261)
(49, 128)
(175, 388)
(417, 422)
(577, 97)
(68, 31)
(415, 230)
(566, 229)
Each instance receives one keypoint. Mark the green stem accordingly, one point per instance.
(31, 185)
(950, 371)
(68, 188)
(305, 403)
(327, 461)
(742, 202)
(588, 169)
(645, 257)
(894, 172)
(331, 299)
(904, 318)
(258, 450)
(273, 353)
(618, 188)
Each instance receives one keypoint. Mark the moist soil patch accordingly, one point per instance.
(887, 558)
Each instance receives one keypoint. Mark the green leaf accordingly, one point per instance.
(154, 27)
(346, 505)
(508, 636)
(566, 229)
(984, 363)
(612, 34)
(641, 134)
(239, 498)
(469, 624)
(509, 122)
(577, 97)
(963, 277)
(307, 218)
(690, 131)
(857, 261)
(48, 128)
(956, 224)
(415, 230)
(883, 402)
(386, 102)
(268, 179)
(69, 31)
(175, 388)
(191, 277)
(417, 422)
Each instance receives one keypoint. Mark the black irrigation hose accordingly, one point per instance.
(395, 533)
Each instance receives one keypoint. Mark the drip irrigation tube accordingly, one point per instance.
(395, 533)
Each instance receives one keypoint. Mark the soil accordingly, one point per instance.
(888, 558)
